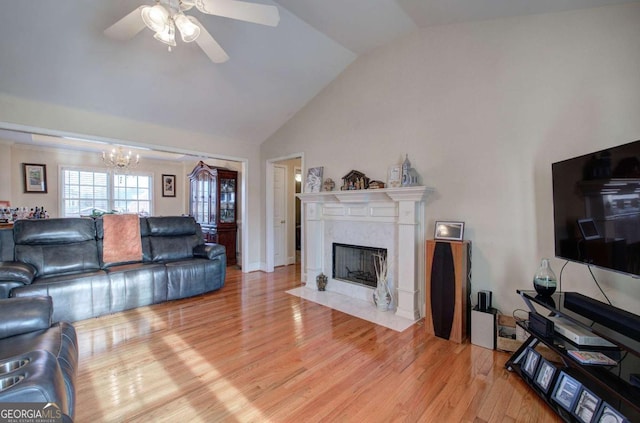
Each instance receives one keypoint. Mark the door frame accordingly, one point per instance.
(269, 239)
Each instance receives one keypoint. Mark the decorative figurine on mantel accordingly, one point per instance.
(329, 185)
(409, 174)
(354, 180)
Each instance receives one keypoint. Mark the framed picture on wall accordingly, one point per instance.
(168, 185)
(35, 178)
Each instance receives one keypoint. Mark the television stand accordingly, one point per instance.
(615, 387)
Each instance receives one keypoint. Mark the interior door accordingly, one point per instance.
(279, 215)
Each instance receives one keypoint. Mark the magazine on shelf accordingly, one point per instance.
(592, 357)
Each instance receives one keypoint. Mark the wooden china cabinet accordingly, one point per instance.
(213, 205)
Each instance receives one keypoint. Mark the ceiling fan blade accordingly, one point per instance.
(244, 11)
(127, 27)
(210, 46)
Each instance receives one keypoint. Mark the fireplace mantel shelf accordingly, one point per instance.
(417, 193)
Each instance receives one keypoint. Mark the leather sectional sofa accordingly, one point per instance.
(54, 272)
(63, 259)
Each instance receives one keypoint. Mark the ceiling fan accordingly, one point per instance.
(166, 15)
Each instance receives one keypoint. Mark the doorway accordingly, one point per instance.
(283, 215)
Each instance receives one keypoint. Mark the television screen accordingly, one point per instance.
(596, 208)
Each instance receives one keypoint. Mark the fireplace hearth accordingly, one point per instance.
(354, 263)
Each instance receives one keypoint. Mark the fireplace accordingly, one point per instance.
(355, 263)
(392, 219)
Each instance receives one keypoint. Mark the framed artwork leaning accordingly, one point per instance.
(531, 362)
(313, 183)
(566, 391)
(545, 375)
(451, 231)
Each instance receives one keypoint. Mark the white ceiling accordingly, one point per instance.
(54, 51)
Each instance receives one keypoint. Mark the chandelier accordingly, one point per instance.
(117, 159)
(164, 21)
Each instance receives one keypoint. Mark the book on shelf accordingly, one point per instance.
(592, 357)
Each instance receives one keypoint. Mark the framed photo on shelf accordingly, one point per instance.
(35, 178)
(451, 231)
(566, 391)
(313, 183)
(586, 406)
(394, 178)
(545, 375)
(531, 362)
(608, 414)
(168, 185)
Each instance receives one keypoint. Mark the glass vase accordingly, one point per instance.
(545, 281)
(382, 296)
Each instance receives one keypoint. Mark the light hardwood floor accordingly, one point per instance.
(251, 352)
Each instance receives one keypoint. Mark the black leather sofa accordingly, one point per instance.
(63, 259)
(53, 272)
(38, 359)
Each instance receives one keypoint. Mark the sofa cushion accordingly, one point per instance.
(136, 285)
(59, 259)
(166, 248)
(15, 271)
(173, 237)
(22, 315)
(55, 246)
(53, 231)
(172, 226)
(75, 296)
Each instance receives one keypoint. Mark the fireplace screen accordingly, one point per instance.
(353, 263)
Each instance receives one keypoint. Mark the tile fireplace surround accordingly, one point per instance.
(391, 218)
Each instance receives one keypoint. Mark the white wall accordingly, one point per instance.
(5, 165)
(483, 109)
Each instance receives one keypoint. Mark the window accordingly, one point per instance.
(84, 191)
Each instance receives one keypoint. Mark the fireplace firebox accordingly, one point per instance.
(355, 263)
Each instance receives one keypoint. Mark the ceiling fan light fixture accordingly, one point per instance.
(156, 18)
(168, 36)
(189, 31)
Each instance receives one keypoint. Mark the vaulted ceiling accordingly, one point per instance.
(55, 52)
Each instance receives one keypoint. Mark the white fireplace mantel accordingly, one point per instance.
(401, 209)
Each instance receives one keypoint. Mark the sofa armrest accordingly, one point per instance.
(24, 315)
(16, 271)
(209, 251)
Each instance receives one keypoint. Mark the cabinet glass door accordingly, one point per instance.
(227, 200)
(201, 199)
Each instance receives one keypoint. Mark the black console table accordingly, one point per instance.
(617, 386)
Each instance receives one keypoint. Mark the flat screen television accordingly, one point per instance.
(596, 208)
